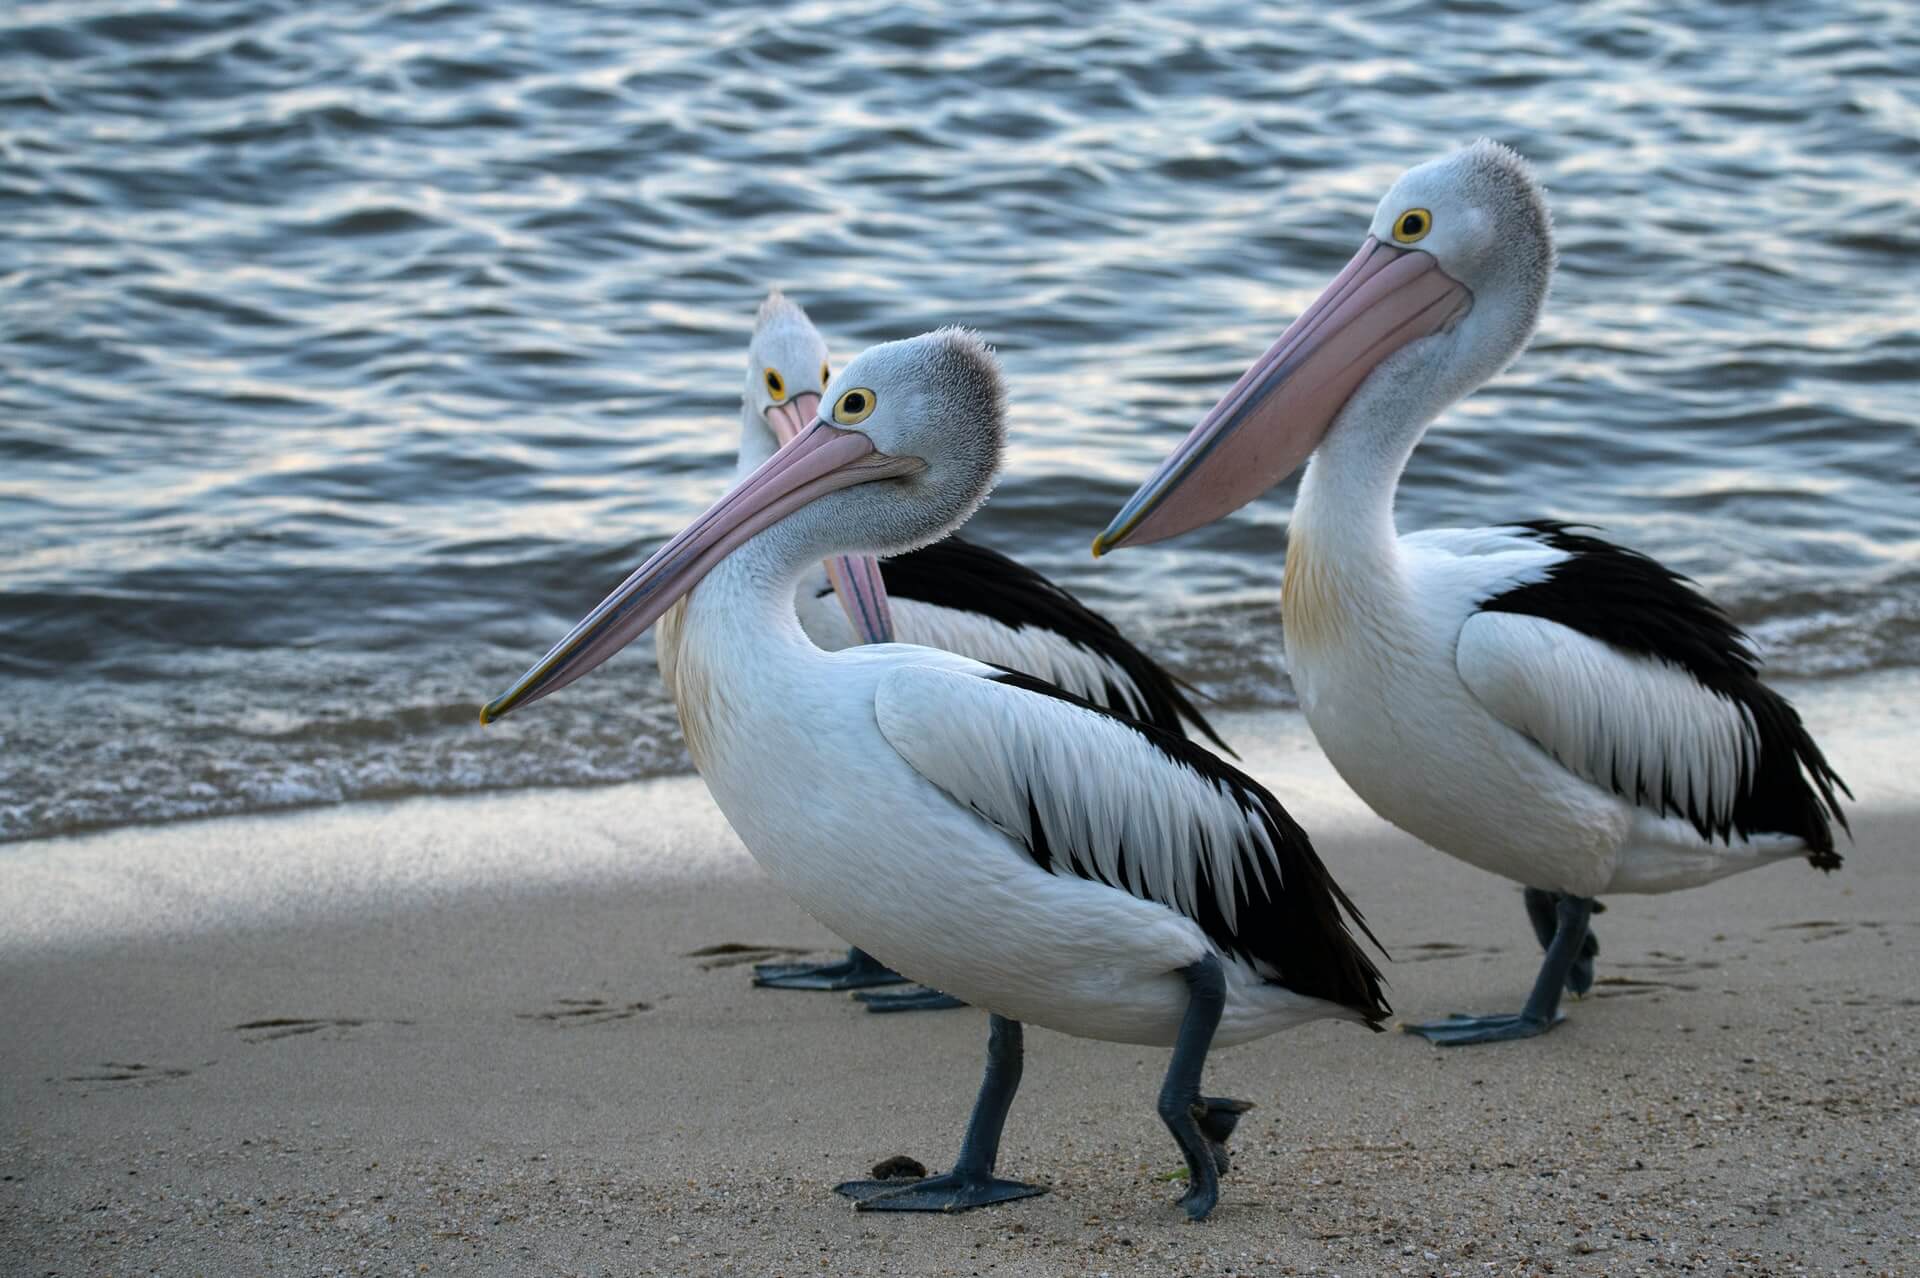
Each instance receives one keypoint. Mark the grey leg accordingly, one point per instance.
(1542, 913)
(858, 971)
(1542, 1011)
(971, 1183)
(1200, 1125)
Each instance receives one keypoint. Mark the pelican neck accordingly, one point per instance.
(1345, 502)
(754, 436)
(749, 594)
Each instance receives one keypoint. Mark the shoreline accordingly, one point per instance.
(175, 877)
(490, 1035)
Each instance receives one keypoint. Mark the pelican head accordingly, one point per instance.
(906, 451)
(1446, 289)
(787, 371)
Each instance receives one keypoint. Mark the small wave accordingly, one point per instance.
(168, 739)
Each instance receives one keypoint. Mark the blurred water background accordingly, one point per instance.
(350, 351)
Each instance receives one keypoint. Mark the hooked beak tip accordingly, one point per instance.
(1114, 535)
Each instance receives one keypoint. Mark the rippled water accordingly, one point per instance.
(350, 351)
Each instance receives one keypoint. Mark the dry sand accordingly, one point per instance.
(475, 1036)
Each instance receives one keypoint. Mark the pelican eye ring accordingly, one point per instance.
(776, 387)
(853, 407)
(1412, 225)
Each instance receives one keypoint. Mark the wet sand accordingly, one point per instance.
(481, 1036)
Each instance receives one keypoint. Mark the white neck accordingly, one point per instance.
(1343, 553)
(739, 621)
(756, 442)
(1344, 513)
(1343, 516)
(749, 595)
(1345, 503)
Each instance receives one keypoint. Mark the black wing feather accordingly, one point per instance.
(963, 575)
(1294, 924)
(1631, 602)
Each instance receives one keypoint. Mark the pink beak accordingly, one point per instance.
(817, 461)
(790, 417)
(1281, 408)
(855, 579)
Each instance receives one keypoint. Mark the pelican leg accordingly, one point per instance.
(1542, 1011)
(1200, 1124)
(971, 1183)
(858, 971)
(1541, 912)
(920, 999)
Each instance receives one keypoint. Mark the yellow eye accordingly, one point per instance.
(854, 407)
(826, 375)
(1413, 225)
(776, 387)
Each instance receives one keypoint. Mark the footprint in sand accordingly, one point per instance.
(737, 953)
(571, 1012)
(1657, 971)
(1627, 986)
(1433, 951)
(1665, 963)
(131, 1072)
(274, 1028)
(1819, 929)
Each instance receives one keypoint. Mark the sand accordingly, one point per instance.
(478, 1036)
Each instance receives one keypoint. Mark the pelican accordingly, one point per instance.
(1528, 698)
(980, 830)
(953, 594)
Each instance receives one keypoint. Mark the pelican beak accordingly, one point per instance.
(1281, 408)
(818, 460)
(789, 417)
(855, 578)
(862, 593)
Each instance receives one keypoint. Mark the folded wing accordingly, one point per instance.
(1142, 810)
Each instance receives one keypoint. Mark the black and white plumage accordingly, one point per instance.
(1530, 699)
(1702, 738)
(1226, 855)
(967, 598)
(1121, 824)
(953, 595)
(904, 795)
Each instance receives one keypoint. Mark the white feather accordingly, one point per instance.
(1031, 650)
(1097, 785)
(1617, 719)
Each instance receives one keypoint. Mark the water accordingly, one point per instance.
(351, 351)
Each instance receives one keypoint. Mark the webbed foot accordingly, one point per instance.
(1459, 1031)
(859, 970)
(921, 999)
(1201, 1199)
(1217, 1118)
(953, 1191)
